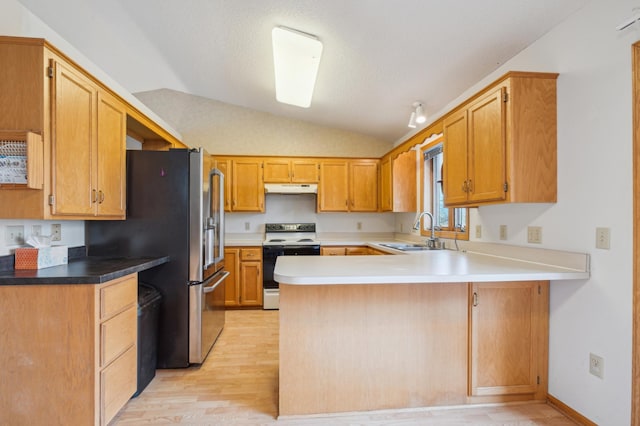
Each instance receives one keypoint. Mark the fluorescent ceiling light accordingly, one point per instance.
(296, 58)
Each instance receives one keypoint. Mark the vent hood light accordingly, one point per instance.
(296, 58)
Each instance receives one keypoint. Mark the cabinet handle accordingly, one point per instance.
(464, 186)
(100, 196)
(475, 299)
(94, 196)
(470, 185)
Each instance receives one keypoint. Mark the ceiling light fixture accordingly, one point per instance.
(296, 58)
(412, 120)
(417, 115)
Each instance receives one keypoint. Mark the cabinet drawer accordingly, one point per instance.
(117, 334)
(118, 382)
(117, 296)
(332, 251)
(251, 254)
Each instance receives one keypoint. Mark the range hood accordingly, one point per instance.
(290, 188)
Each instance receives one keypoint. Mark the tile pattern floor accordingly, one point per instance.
(238, 385)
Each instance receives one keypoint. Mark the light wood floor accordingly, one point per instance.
(238, 385)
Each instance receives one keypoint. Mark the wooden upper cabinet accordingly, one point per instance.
(386, 192)
(501, 145)
(305, 171)
(83, 126)
(247, 185)
(287, 170)
(111, 158)
(508, 338)
(363, 185)
(348, 185)
(74, 142)
(88, 148)
(333, 190)
(224, 165)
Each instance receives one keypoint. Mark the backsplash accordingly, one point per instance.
(72, 232)
(302, 208)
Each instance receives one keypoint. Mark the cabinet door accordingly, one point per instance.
(455, 158)
(386, 204)
(507, 335)
(112, 129)
(404, 181)
(248, 186)
(487, 148)
(277, 170)
(251, 283)
(304, 171)
(363, 186)
(333, 190)
(225, 167)
(231, 287)
(357, 251)
(73, 143)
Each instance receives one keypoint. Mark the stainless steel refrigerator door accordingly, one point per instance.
(206, 315)
(214, 224)
(198, 210)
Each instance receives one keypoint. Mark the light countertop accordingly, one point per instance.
(438, 266)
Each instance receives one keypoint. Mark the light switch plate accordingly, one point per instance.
(478, 231)
(503, 232)
(603, 238)
(534, 234)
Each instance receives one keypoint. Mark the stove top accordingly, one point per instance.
(290, 234)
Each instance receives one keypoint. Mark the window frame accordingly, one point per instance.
(440, 233)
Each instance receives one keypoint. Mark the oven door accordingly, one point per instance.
(269, 255)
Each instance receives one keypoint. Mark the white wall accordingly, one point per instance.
(594, 190)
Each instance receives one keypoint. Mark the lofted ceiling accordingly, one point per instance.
(379, 55)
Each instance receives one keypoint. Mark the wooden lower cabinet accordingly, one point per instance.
(508, 338)
(73, 356)
(349, 251)
(243, 286)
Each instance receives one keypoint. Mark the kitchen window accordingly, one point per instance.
(448, 222)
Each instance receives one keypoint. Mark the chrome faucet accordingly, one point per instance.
(432, 242)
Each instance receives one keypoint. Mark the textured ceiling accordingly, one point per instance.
(379, 55)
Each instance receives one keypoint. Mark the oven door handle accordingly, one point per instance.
(210, 288)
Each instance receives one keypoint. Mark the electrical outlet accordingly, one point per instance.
(359, 225)
(247, 226)
(36, 230)
(478, 231)
(603, 238)
(503, 232)
(14, 235)
(596, 365)
(534, 234)
(56, 232)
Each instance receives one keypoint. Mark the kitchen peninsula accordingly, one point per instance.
(434, 328)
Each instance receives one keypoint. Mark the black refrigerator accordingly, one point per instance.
(175, 208)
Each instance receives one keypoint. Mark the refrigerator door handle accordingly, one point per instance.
(212, 287)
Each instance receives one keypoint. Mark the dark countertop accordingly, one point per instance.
(84, 270)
